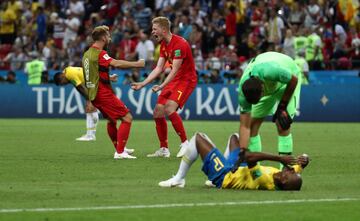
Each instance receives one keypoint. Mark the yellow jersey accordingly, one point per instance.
(255, 178)
(74, 75)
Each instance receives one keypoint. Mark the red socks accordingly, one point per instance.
(122, 136)
(178, 125)
(161, 129)
(112, 132)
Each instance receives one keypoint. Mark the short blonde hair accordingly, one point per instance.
(163, 22)
(99, 31)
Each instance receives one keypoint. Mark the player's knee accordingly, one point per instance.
(128, 118)
(170, 108)
(159, 112)
(234, 142)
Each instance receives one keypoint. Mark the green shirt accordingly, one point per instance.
(90, 63)
(34, 69)
(273, 69)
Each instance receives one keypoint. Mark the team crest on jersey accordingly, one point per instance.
(177, 53)
(106, 57)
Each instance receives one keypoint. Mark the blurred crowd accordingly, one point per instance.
(224, 34)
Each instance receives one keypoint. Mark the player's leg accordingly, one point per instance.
(285, 141)
(112, 132)
(177, 123)
(190, 156)
(255, 139)
(92, 117)
(231, 144)
(122, 137)
(161, 129)
(259, 111)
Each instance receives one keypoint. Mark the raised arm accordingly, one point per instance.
(154, 74)
(122, 64)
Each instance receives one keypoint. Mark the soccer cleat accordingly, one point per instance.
(86, 138)
(162, 152)
(182, 150)
(208, 183)
(129, 151)
(123, 155)
(173, 182)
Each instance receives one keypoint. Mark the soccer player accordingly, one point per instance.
(177, 86)
(96, 63)
(270, 84)
(240, 169)
(74, 75)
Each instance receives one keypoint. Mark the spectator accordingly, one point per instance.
(58, 24)
(185, 28)
(230, 21)
(288, 46)
(276, 28)
(7, 27)
(72, 25)
(41, 24)
(312, 14)
(16, 58)
(142, 15)
(145, 48)
(11, 77)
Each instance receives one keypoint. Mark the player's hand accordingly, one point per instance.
(282, 117)
(114, 77)
(141, 63)
(156, 88)
(303, 160)
(89, 108)
(288, 160)
(137, 85)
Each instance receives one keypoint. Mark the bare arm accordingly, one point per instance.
(154, 73)
(83, 91)
(289, 90)
(245, 120)
(122, 64)
(175, 67)
(253, 157)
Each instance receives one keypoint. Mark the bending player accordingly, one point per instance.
(75, 76)
(271, 81)
(177, 86)
(240, 170)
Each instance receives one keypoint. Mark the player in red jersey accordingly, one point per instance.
(96, 63)
(177, 86)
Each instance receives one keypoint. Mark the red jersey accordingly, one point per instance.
(179, 48)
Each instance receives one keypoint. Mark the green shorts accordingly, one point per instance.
(268, 104)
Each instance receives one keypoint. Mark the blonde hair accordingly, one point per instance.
(99, 31)
(163, 22)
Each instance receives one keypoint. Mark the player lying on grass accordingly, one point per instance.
(239, 170)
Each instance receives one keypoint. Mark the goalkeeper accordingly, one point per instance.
(270, 85)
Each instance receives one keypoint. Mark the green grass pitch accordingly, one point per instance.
(42, 166)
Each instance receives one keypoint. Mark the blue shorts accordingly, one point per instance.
(234, 156)
(215, 167)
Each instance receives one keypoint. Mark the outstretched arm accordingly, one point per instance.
(253, 157)
(122, 64)
(154, 74)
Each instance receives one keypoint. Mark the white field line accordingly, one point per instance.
(176, 205)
